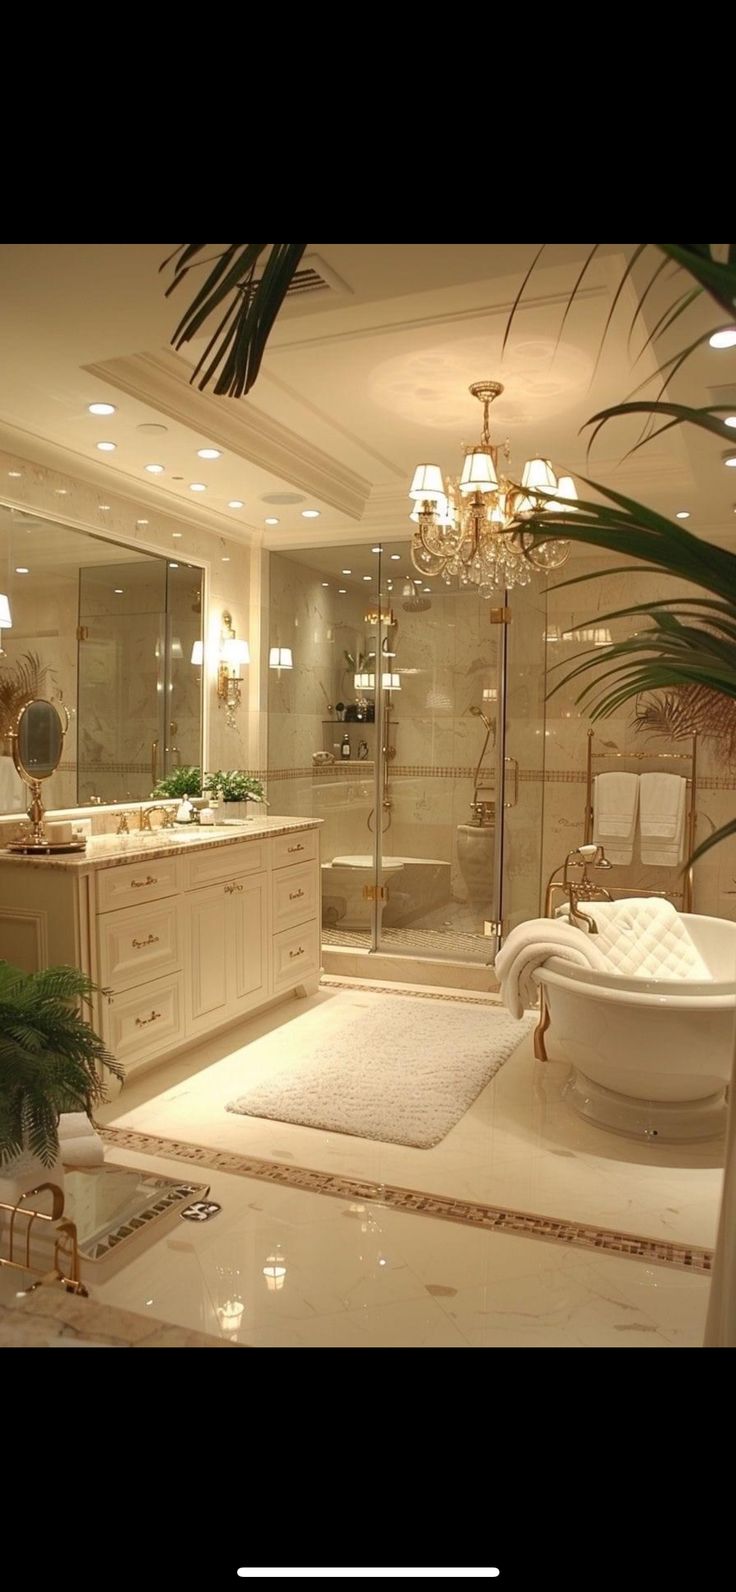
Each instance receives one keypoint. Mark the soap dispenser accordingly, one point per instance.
(185, 812)
(345, 749)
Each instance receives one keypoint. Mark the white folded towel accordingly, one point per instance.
(529, 945)
(615, 804)
(85, 1151)
(662, 819)
(75, 1125)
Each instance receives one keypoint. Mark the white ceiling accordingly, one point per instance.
(357, 385)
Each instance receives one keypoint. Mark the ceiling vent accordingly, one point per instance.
(314, 276)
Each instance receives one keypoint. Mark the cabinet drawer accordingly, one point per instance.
(296, 956)
(136, 881)
(225, 862)
(294, 893)
(139, 944)
(139, 1023)
(300, 847)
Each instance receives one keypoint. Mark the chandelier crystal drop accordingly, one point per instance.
(470, 530)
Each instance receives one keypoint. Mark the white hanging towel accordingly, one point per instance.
(662, 819)
(615, 807)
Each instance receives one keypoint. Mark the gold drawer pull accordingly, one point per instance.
(140, 884)
(230, 889)
(139, 945)
(292, 849)
(295, 895)
(300, 952)
(142, 1022)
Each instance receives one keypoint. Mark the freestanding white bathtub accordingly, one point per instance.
(650, 1057)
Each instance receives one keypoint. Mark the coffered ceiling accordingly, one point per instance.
(361, 380)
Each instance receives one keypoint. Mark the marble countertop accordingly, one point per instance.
(51, 1318)
(112, 851)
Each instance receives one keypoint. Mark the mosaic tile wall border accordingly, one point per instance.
(547, 776)
(471, 1213)
(467, 998)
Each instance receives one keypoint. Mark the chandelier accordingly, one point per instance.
(471, 529)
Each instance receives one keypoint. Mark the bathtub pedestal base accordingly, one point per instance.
(669, 1121)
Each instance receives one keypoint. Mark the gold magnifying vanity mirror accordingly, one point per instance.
(37, 744)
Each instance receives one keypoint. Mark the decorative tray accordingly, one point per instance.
(32, 848)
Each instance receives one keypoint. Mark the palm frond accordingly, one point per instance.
(250, 303)
(690, 710)
(20, 682)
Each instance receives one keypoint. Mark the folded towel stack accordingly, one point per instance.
(615, 807)
(79, 1144)
(662, 819)
(528, 947)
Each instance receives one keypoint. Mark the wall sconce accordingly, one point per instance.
(280, 658)
(364, 682)
(391, 682)
(233, 654)
(6, 622)
(383, 616)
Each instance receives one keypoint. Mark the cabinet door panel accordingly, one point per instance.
(208, 981)
(249, 917)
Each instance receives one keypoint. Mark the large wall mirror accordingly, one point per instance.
(109, 632)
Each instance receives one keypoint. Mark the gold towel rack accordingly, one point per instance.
(691, 819)
(20, 1230)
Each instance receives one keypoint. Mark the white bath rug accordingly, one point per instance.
(400, 1071)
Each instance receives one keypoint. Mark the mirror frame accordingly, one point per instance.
(27, 777)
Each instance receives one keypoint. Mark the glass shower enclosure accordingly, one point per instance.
(412, 724)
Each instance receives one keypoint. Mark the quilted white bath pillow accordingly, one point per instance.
(646, 938)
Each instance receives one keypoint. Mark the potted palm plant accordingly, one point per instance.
(237, 791)
(51, 1061)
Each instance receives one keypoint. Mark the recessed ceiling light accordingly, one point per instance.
(724, 339)
(417, 583)
(145, 522)
(197, 486)
(346, 571)
(310, 514)
(177, 535)
(730, 420)
(236, 503)
(325, 583)
(367, 577)
(155, 469)
(426, 588)
(173, 566)
(270, 520)
(61, 491)
(118, 591)
(341, 591)
(107, 447)
(21, 570)
(208, 453)
(104, 507)
(225, 558)
(376, 549)
(395, 556)
(682, 514)
(730, 461)
(15, 475)
(101, 409)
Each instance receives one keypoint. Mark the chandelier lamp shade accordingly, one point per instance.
(471, 529)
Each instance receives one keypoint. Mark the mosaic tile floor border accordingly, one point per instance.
(471, 1213)
(464, 998)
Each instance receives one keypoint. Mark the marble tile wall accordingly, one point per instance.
(45, 623)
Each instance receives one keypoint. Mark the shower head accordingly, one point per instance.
(479, 714)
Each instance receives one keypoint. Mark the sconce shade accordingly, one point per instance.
(438, 502)
(365, 682)
(198, 653)
(6, 622)
(235, 653)
(566, 488)
(539, 475)
(479, 471)
(280, 658)
(427, 482)
(390, 682)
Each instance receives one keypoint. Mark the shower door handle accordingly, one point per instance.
(515, 799)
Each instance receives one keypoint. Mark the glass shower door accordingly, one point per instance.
(122, 680)
(522, 627)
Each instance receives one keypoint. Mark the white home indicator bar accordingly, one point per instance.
(448, 1574)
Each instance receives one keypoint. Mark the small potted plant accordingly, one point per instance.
(179, 783)
(236, 791)
(51, 1062)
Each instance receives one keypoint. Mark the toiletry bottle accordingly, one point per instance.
(185, 812)
(345, 749)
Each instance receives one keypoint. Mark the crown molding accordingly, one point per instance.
(162, 381)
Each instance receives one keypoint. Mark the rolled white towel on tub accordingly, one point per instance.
(529, 946)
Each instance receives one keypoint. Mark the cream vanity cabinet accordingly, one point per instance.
(186, 943)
